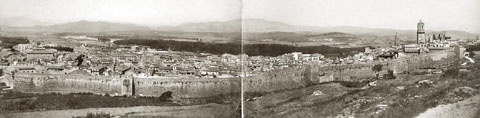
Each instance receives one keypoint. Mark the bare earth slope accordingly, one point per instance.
(467, 108)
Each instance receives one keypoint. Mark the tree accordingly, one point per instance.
(102, 70)
(80, 59)
(389, 75)
(376, 69)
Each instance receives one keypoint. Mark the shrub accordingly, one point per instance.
(96, 115)
(389, 75)
(451, 72)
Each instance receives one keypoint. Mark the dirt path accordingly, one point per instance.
(467, 108)
(197, 111)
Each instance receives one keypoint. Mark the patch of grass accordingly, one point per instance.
(32, 102)
(353, 84)
(19, 102)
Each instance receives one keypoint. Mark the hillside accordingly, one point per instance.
(80, 26)
(98, 26)
(253, 26)
(228, 26)
(254, 31)
(21, 22)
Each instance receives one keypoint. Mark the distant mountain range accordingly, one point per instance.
(98, 26)
(228, 26)
(260, 25)
(80, 26)
(21, 22)
(249, 25)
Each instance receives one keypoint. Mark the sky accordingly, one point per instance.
(144, 12)
(390, 14)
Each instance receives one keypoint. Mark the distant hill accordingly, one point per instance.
(250, 26)
(80, 26)
(310, 37)
(97, 26)
(228, 26)
(261, 25)
(21, 22)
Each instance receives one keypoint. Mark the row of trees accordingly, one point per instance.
(236, 48)
(9, 42)
(60, 48)
(473, 48)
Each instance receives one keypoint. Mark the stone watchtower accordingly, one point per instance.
(421, 37)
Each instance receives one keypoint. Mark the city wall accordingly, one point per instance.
(61, 83)
(276, 80)
(187, 87)
(291, 78)
(354, 72)
(116, 85)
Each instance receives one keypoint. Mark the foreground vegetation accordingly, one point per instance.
(22, 102)
(96, 115)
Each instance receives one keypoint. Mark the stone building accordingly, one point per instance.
(41, 54)
(421, 37)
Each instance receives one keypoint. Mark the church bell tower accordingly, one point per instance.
(421, 37)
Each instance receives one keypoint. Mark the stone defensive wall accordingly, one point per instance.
(61, 83)
(117, 85)
(187, 87)
(276, 80)
(291, 78)
(353, 72)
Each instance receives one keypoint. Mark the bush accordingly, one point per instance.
(96, 115)
(451, 72)
(376, 69)
(73, 104)
(389, 75)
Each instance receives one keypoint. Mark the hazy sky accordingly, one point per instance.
(393, 14)
(146, 12)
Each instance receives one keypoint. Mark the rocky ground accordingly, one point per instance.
(468, 108)
(407, 96)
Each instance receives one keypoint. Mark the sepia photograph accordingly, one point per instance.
(239, 59)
